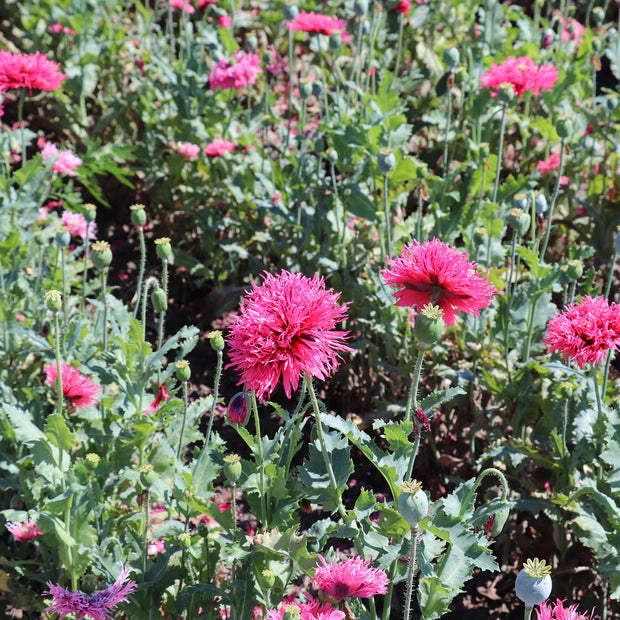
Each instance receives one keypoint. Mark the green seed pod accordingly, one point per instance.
(269, 578)
(519, 221)
(598, 15)
(88, 583)
(412, 502)
(90, 212)
(428, 326)
(564, 126)
(92, 460)
(305, 88)
(182, 370)
(451, 58)
(63, 237)
(360, 7)
(163, 248)
(386, 160)
(147, 476)
(332, 155)
(291, 612)
(159, 300)
(574, 269)
(138, 215)
(185, 540)
(53, 301)
(533, 584)
(232, 468)
(290, 11)
(101, 255)
(335, 42)
(505, 94)
(216, 339)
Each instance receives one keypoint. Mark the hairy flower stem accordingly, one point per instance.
(328, 465)
(63, 270)
(180, 446)
(554, 197)
(597, 392)
(509, 294)
(141, 272)
(386, 210)
(387, 601)
(233, 497)
(84, 270)
(291, 68)
(20, 120)
(502, 128)
(412, 400)
(401, 27)
(261, 461)
(58, 363)
(411, 570)
(530, 326)
(104, 299)
(147, 285)
(216, 392)
(145, 532)
(162, 315)
(356, 54)
(445, 138)
(528, 613)
(472, 493)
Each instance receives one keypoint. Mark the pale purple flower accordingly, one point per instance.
(76, 225)
(27, 530)
(66, 162)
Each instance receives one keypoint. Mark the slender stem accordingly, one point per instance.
(104, 278)
(339, 223)
(530, 325)
(216, 392)
(233, 495)
(419, 224)
(261, 460)
(498, 169)
(162, 315)
(445, 140)
(606, 372)
(291, 67)
(63, 270)
(553, 199)
(597, 392)
(528, 610)
(509, 293)
(20, 119)
(386, 210)
(387, 601)
(612, 266)
(145, 296)
(328, 465)
(141, 273)
(487, 472)
(412, 570)
(145, 540)
(401, 27)
(412, 400)
(564, 427)
(180, 446)
(85, 270)
(58, 363)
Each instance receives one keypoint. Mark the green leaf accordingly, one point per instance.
(434, 599)
(438, 398)
(22, 424)
(57, 432)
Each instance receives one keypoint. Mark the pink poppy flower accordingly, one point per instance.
(312, 610)
(76, 224)
(585, 331)
(224, 21)
(27, 530)
(65, 161)
(99, 605)
(78, 389)
(286, 328)
(352, 578)
(237, 72)
(189, 150)
(316, 23)
(558, 612)
(162, 397)
(29, 71)
(522, 73)
(547, 165)
(403, 7)
(573, 31)
(434, 272)
(155, 547)
(218, 148)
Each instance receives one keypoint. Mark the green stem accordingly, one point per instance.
(487, 472)
(445, 140)
(216, 392)
(530, 325)
(145, 296)
(291, 66)
(20, 119)
(162, 315)
(145, 540)
(104, 280)
(412, 570)
(387, 602)
(498, 169)
(509, 293)
(261, 460)
(328, 465)
(611, 270)
(386, 210)
(412, 400)
(233, 494)
(85, 270)
(597, 393)
(401, 27)
(141, 273)
(553, 199)
(528, 610)
(58, 363)
(180, 446)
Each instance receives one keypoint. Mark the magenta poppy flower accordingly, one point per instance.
(27, 530)
(522, 73)
(352, 578)
(78, 389)
(31, 71)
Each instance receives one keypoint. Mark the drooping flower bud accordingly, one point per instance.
(238, 408)
(159, 300)
(138, 215)
(101, 255)
(429, 325)
(163, 248)
(412, 502)
(232, 467)
(533, 585)
(53, 300)
(500, 518)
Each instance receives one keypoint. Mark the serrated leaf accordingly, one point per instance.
(434, 599)
(437, 398)
(21, 422)
(57, 432)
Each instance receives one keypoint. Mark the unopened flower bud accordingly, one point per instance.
(182, 370)
(451, 58)
(90, 212)
(519, 220)
(63, 237)
(290, 12)
(163, 248)
(216, 339)
(533, 585)
(238, 408)
(386, 160)
(147, 476)
(547, 39)
(505, 94)
(412, 502)
(428, 326)
(159, 300)
(564, 126)
(485, 149)
(305, 88)
(101, 255)
(138, 215)
(540, 204)
(88, 583)
(53, 300)
(335, 42)
(501, 516)
(232, 468)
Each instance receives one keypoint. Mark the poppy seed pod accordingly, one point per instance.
(138, 215)
(533, 584)
(101, 255)
(216, 340)
(412, 502)
(53, 300)
(290, 12)
(428, 326)
(63, 237)
(90, 212)
(519, 221)
(564, 126)
(269, 578)
(452, 58)
(163, 248)
(335, 42)
(540, 203)
(88, 583)
(232, 468)
(291, 612)
(183, 371)
(147, 476)
(305, 88)
(386, 160)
